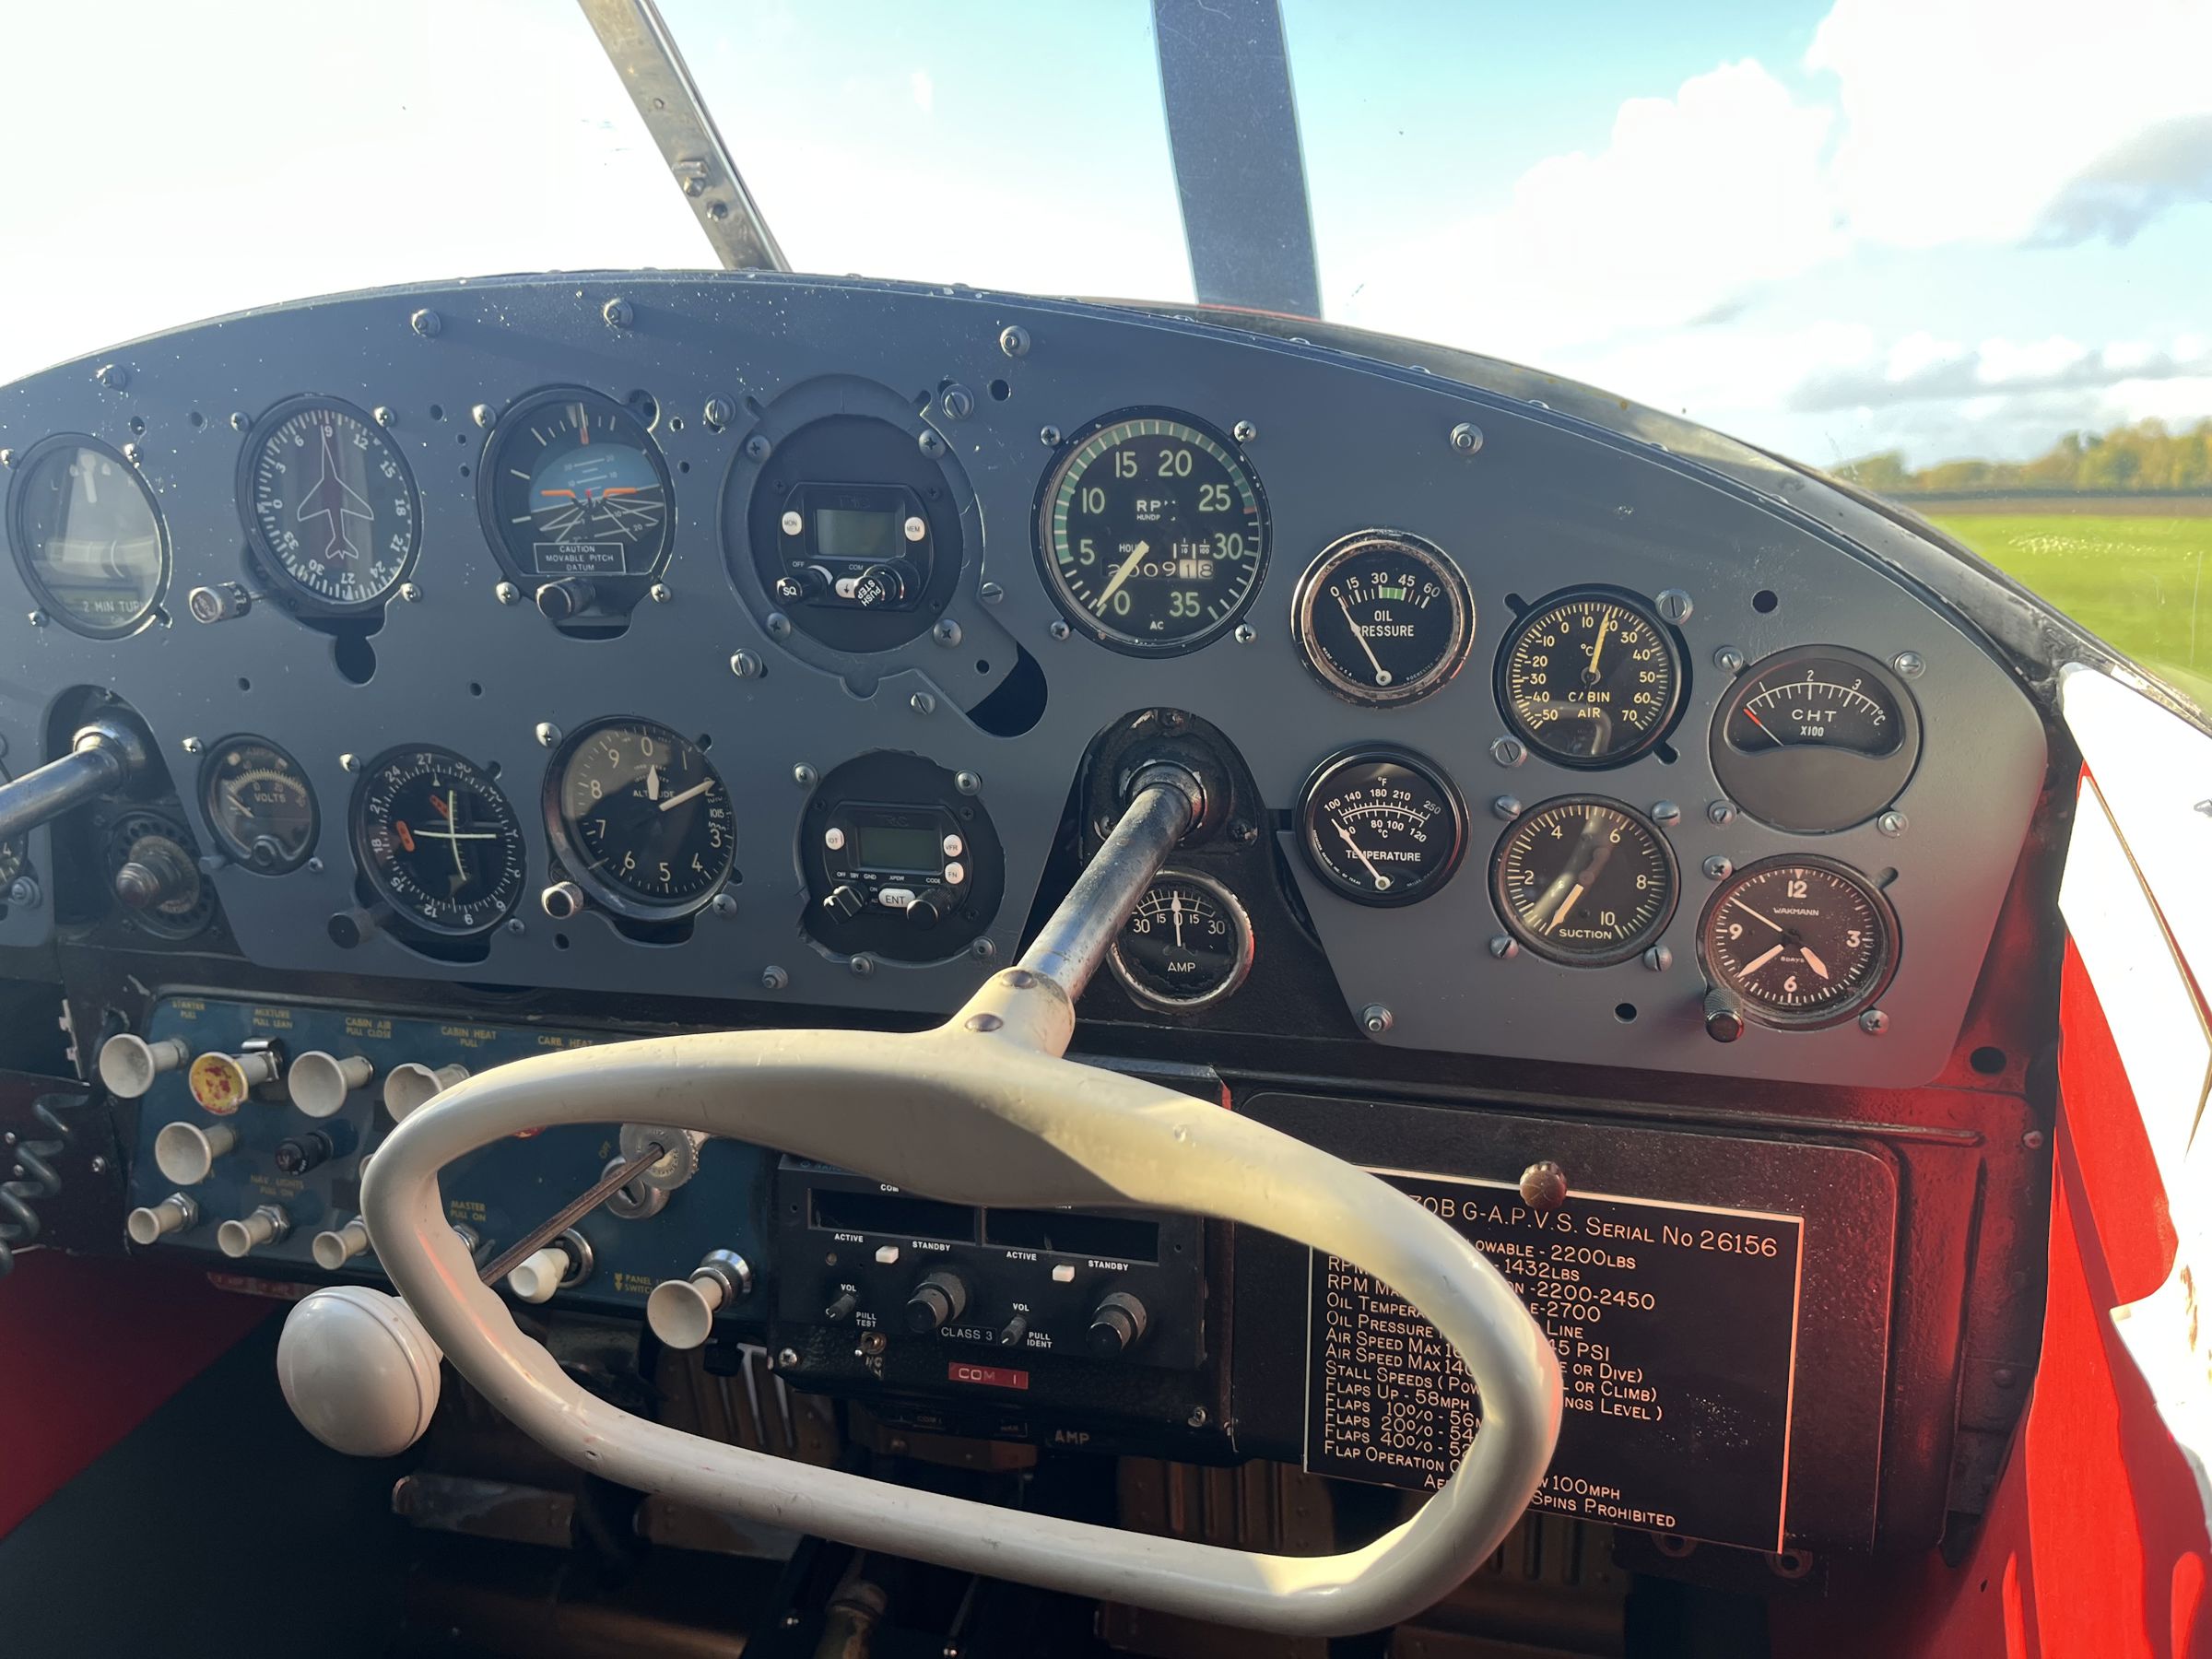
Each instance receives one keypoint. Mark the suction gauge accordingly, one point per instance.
(1590, 678)
(1382, 827)
(1384, 617)
(1187, 946)
(1584, 881)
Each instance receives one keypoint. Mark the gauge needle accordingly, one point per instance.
(407, 838)
(1813, 962)
(1755, 916)
(1599, 644)
(1381, 881)
(1175, 910)
(1573, 896)
(1751, 714)
(677, 800)
(653, 782)
(1381, 673)
(1760, 960)
(1127, 569)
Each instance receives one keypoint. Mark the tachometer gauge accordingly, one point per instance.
(438, 841)
(260, 805)
(573, 486)
(1804, 941)
(1584, 881)
(1590, 678)
(87, 537)
(1382, 827)
(1384, 617)
(329, 504)
(1187, 946)
(1816, 739)
(1152, 533)
(640, 818)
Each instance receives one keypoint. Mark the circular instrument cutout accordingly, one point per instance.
(1584, 880)
(260, 805)
(329, 504)
(574, 489)
(1816, 739)
(1187, 946)
(88, 538)
(1382, 827)
(1805, 942)
(1590, 678)
(640, 820)
(1384, 617)
(437, 842)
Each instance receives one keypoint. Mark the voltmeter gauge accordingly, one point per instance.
(1584, 880)
(1382, 827)
(437, 842)
(329, 504)
(1152, 533)
(260, 805)
(1816, 739)
(1805, 942)
(1187, 946)
(1384, 617)
(640, 818)
(1590, 678)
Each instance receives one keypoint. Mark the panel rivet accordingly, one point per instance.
(1375, 1020)
(547, 733)
(1467, 437)
(805, 776)
(616, 313)
(1014, 340)
(427, 322)
(968, 783)
(774, 978)
(113, 376)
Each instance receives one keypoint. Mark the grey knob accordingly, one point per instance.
(681, 1312)
(266, 1225)
(333, 1249)
(411, 1086)
(185, 1152)
(150, 1225)
(319, 1082)
(129, 1063)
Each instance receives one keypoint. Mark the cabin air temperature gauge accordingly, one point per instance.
(1590, 678)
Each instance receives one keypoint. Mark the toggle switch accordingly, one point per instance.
(411, 1085)
(267, 1224)
(129, 1063)
(319, 1082)
(185, 1152)
(176, 1213)
(681, 1312)
(333, 1249)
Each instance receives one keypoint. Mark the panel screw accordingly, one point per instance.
(1467, 437)
(1874, 1022)
(239, 422)
(774, 978)
(1659, 959)
(547, 733)
(1246, 634)
(37, 619)
(1507, 807)
(1718, 868)
(23, 893)
(982, 950)
(659, 593)
(862, 966)
(921, 702)
(757, 447)
(1728, 660)
(2032, 1140)
(1503, 947)
(193, 745)
(786, 1359)
(1197, 1417)
(1508, 751)
(1244, 431)
(1014, 340)
(1048, 436)
(7, 457)
(616, 313)
(718, 413)
(746, 665)
(1543, 1185)
(957, 402)
(349, 763)
(113, 376)
(1891, 823)
(1908, 663)
(427, 322)
(931, 443)
(382, 415)
(508, 594)
(778, 625)
(1666, 812)
(130, 453)
(968, 783)
(99, 1166)
(1674, 606)
(482, 414)
(314, 867)
(411, 593)
(1721, 812)
(805, 776)
(1242, 832)
(515, 926)
(1059, 630)
(1376, 1020)
(991, 593)
(947, 633)
(726, 905)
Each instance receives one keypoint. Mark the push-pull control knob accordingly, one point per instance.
(570, 596)
(333, 1250)
(1723, 1015)
(222, 1083)
(936, 1303)
(151, 1224)
(1117, 1324)
(561, 1265)
(681, 1312)
(412, 1086)
(561, 900)
(129, 1063)
(185, 1152)
(319, 1082)
(241, 1238)
(156, 872)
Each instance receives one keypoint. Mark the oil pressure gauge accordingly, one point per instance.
(1187, 946)
(1382, 827)
(1384, 617)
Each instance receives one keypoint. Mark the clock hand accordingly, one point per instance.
(1813, 962)
(1759, 961)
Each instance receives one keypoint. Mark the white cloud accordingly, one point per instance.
(924, 91)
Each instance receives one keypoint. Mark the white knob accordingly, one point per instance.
(320, 1082)
(128, 1063)
(333, 1249)
(412, 1086)
(185, 1152)
(265, 1226)
(681, 1312)
(358, 1371)
(174, 1214)
(536, 1279)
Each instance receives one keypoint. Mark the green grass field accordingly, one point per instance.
(2137, 582)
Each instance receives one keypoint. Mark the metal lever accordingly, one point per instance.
(103, 756)
(1166, 802)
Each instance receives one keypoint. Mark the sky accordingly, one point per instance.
(1948, 226)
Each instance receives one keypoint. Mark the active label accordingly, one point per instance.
(1677, 1331)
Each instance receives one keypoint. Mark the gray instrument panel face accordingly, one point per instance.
(1341, 444)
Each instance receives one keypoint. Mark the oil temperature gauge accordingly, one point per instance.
(1382, 827)
(260, 805)
(1187, 946)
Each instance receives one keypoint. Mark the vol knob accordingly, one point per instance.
(838, 1312)
(1117, 1324)
(1017, 1331)
(936, 1303)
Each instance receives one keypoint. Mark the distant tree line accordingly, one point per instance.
(2145, 456)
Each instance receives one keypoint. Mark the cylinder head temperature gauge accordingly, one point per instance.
(1187, 945)
(1384, 617)
(1804, 942)
(1382, 827)
(1816, 739)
